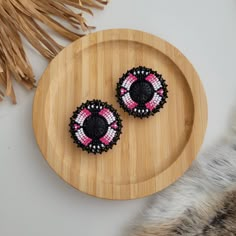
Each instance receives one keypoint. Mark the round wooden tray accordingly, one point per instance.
(152, 153)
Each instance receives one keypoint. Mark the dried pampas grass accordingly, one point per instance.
(19, 17)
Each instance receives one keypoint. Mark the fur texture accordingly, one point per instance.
(202, 202)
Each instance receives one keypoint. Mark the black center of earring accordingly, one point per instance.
(141, 91)
(95, 126)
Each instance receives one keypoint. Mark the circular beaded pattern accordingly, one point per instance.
(142, 92)
(95, 126)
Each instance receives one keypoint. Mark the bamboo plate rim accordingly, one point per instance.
(153, 184)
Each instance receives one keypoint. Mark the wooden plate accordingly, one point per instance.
(152, 153)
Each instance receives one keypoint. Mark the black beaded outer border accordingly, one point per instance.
(150, 113)
(106, 148)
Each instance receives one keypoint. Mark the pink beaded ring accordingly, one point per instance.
(141, 92)
(95, 126)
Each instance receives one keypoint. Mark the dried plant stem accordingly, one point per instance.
(18, 17)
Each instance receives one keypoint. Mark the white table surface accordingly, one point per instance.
(34, 201)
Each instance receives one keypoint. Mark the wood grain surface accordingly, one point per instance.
(152, 153)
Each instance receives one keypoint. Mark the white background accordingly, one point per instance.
(33, 200)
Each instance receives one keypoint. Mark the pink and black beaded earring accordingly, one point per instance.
(141, 92)
(95, 126)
